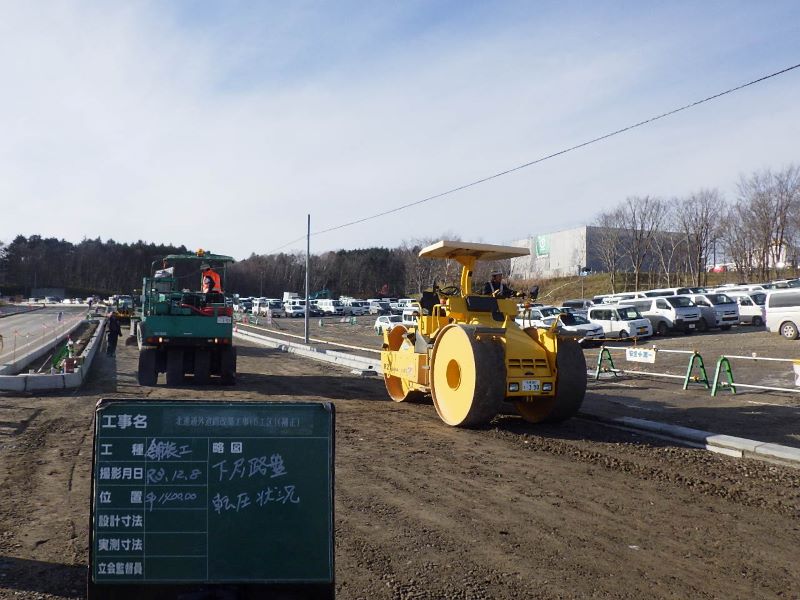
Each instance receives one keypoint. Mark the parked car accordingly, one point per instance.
(314, 309)
(622, 297)
(354, 307)
(620, 321)
(581, 305)
(782, 284)
(725, 311)
(411, 314)
(750, 313)
(293, 310)
(569, 325)
(387, 322)
(379, 307)
(669, 313)
(331, 307)
(783, 312)
(675, 291)
(535, 316)
(276, 308)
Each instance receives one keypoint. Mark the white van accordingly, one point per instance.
(276, 307)
(379, 307)
(664, 292)
(750, 312)
(622, 297)
(411, 313)
(331, 307)
(783, 313)
(295, 307)
(355, 307)
(725, 313)
(668, 313)
(580, 305)
(620, 321)
(260, 306)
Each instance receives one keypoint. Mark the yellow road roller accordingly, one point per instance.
(467, 352)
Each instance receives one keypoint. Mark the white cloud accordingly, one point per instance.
(125, 123)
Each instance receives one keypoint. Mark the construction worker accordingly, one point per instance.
(495, 287)
(114, 333)
(210, 281)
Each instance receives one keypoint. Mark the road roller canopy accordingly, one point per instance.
(456, 250)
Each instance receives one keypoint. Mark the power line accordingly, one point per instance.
(543, 158)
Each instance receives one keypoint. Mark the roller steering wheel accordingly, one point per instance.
(450, 290)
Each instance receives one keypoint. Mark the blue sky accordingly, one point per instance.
(221, 124)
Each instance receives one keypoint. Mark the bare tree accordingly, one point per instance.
(767, 200)
(642, 217)
(608, 243)
(698, 218)
(740, 242)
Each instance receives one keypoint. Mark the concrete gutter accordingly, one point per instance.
(28, 382)
(722, 444)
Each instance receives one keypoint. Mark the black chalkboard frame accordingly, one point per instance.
(202, 590)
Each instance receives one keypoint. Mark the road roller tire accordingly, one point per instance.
(202, 366)
(400, 389)
(174, 366)
(570, 388)
(147, 374)
(468, 376)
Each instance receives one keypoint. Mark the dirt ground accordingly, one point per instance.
(426, 511)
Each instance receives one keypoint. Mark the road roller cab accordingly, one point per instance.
(469, 354)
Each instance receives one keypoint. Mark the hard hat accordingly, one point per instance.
(496, 273)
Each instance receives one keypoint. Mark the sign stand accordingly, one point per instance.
(199, 500)
(605, 357)
(723, 362)
(703, 378)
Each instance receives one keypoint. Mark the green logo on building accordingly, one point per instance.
(542, 245)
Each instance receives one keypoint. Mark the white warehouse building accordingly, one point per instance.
(559, 254)
(565, 253)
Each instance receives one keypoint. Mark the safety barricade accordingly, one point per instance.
(724, 369)
(695, 369)
(696, 372)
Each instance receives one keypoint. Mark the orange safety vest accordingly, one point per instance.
(216, 285)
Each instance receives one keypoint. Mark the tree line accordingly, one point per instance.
(665, 242)
(90, 267)
(675, 241)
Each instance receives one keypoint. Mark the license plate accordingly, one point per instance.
(691, 325)
(223, 319)
(531, 385)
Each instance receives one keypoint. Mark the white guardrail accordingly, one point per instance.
(33, 382)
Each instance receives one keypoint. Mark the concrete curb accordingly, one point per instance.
(59, 381)
(722, 444)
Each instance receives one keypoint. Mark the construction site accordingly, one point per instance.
(633, 486)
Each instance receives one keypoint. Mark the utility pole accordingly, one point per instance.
(308, 261)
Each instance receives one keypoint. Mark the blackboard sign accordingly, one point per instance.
(193, 495)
